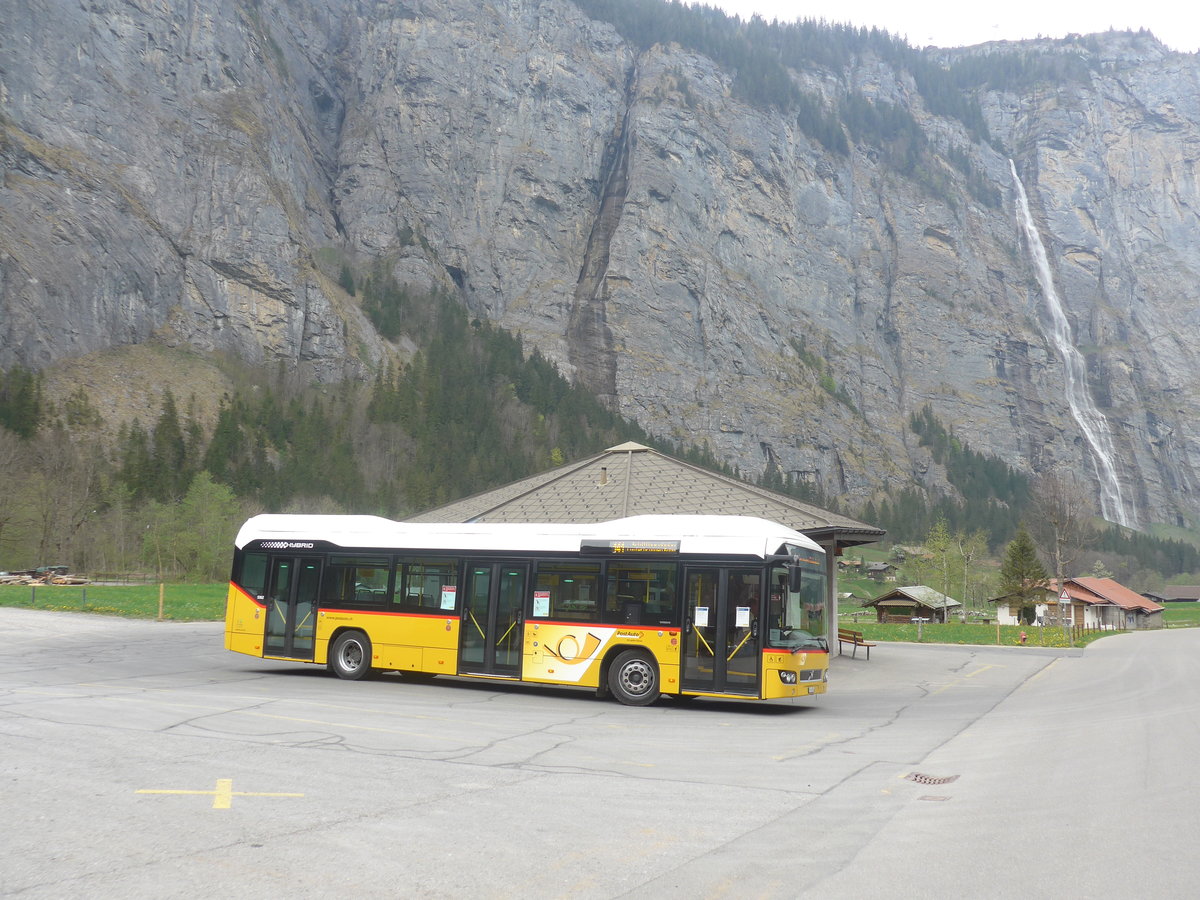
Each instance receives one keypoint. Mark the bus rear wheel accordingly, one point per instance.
(633, 679)
(350, 656)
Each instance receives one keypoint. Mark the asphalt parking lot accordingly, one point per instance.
(143, 760)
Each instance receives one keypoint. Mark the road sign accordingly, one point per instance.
(1064, 597)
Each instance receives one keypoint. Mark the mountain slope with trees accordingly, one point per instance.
(166, 496)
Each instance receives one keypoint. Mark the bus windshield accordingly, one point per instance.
(796, 619)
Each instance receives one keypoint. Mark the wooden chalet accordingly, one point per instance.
(903, 604)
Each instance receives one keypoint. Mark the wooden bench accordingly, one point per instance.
(855, 640)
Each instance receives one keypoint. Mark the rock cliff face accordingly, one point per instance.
(181, 173)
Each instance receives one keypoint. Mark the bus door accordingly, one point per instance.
(492, 615)
(291, 598)
(722, 640)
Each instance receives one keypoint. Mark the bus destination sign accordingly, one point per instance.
(629, 546)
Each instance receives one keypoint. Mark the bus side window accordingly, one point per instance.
(356, 582)
(573, 589)
(641, 594)
(425, 585)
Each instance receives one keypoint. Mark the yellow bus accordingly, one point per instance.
(686, 606)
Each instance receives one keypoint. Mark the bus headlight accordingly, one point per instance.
(787, 677)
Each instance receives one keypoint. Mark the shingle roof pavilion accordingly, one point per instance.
(630, 480)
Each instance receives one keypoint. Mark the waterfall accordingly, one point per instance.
(1092, 423)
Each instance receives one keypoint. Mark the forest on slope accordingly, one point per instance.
(468, 411)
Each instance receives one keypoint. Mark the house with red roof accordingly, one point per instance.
(1095, 603)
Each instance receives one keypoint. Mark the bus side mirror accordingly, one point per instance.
(794, 579)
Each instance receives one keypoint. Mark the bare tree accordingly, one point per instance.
(939, 542)
(1060, 519)
(919, 568)
(971, 547)
(62, 493)
(15, 463)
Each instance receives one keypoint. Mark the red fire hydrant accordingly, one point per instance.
(1024, 637)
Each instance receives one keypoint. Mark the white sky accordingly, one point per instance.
(953, 24)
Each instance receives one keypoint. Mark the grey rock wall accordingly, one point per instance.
(176, 174)
(167, 177)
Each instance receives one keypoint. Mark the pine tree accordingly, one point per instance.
(20, 401)
(170, 475)
(135, 461)
(1022, 575)
(225, 449)
(346, 280)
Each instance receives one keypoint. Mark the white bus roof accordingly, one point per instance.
(700, 535)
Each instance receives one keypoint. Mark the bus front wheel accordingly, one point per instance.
(633, 679)
(350, 657)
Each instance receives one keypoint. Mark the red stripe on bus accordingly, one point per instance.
(576, 623)
(241, 590)
(385, 612)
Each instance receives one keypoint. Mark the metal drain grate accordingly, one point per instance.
(930, 779)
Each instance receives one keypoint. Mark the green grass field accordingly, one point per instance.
(957, 633)
(1182, 615)
(181, 602)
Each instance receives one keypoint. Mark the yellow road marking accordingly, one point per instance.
(223, 794)
(720, 889)
(983, 669)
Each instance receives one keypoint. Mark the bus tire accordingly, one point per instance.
(350, 656)
(633, 678)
